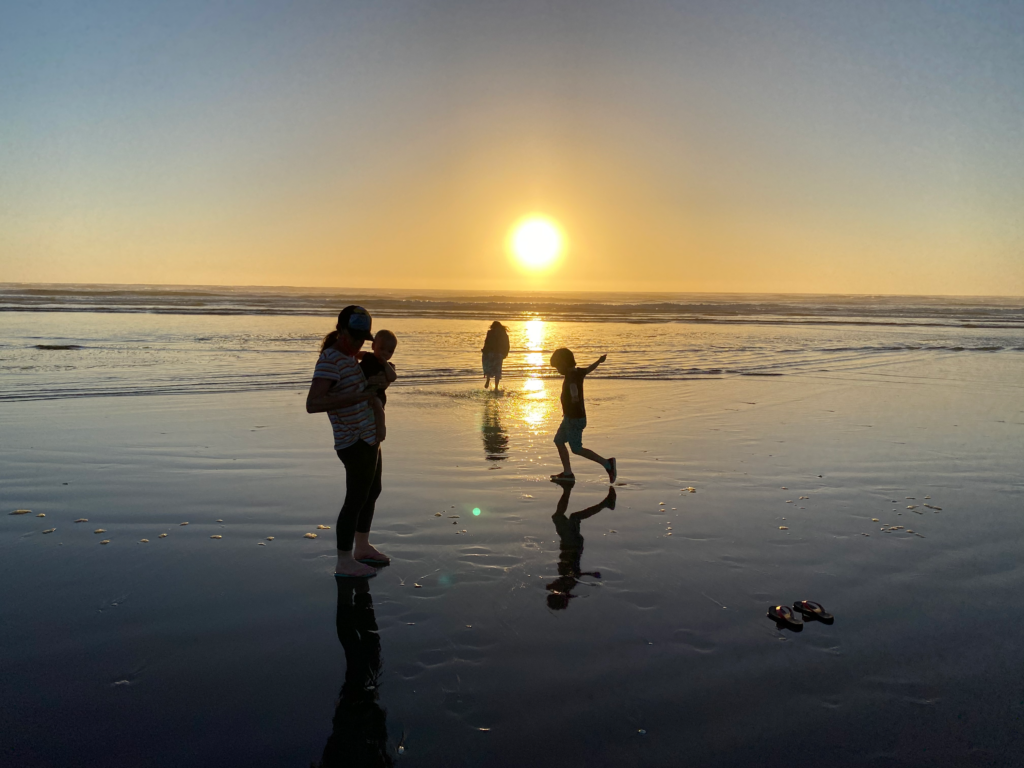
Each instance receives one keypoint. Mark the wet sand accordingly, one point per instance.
(192, 650)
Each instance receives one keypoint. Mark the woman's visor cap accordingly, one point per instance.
(357, 322)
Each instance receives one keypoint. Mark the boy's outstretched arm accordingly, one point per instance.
(590, 368)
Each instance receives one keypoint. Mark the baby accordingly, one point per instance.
(384, 343)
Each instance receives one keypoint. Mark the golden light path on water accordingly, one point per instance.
(535, 405)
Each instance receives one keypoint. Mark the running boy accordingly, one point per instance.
(574, 416)
(378, 361)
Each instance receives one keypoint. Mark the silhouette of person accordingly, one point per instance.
(571, 546)
(496, 348)
(495, 438)
(360, 735)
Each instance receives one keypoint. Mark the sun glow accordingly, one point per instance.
(536, 243)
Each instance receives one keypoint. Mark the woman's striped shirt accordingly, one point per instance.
(354, 422)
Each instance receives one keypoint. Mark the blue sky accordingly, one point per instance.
(786, 146)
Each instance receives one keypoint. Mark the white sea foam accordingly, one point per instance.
(72, 341)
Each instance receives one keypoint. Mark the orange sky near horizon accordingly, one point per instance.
(699, 147)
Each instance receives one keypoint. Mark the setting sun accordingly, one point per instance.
(536, 242)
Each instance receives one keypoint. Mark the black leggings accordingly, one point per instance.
(363, 465)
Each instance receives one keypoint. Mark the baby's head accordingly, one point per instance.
(384, 344)
(563, 360)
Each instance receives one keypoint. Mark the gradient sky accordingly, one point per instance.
(715, 145)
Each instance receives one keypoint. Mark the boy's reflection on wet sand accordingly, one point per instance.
(571, 545)
(360, 735)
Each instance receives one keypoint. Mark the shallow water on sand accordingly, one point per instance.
(192, 650)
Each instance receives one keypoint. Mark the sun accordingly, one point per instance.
(536, 242)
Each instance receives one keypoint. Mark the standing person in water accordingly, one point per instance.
(340, 390)
(494, 353)
(574, 416)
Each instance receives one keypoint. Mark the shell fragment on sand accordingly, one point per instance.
(323, 527)
(261, 543)
(874, 519)
(437, 514)
(270, 538)
(143, 541)
(783, 528)
(162, 536)
(22, 512)
(41, 514)
(49, 530)
(216, 536)
(82, 520)
(105, 541)
(219, 521)
(418, 586)
(100, 530)
(804, 497)
(309, 536)
(182, 523)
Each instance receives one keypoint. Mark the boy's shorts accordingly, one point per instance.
(571, 431)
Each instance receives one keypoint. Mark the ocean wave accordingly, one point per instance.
(777, 309)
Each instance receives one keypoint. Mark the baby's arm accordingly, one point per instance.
(389, 371)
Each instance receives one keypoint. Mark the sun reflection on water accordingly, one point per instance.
(536, 331)
(533, 408)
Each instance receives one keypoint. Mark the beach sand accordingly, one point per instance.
(188, 650)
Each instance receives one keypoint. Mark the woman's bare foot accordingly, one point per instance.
(347, 566)
(370, 552)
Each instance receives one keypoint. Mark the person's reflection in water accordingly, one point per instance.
(495, 438)
(571, 544)
(360, 736)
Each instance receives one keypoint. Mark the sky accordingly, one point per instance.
(815, 146)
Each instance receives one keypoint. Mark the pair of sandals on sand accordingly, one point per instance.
(784, 616)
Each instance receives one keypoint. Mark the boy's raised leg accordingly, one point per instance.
(608, 464)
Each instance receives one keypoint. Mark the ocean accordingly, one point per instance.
(64, 341)
(167, 537)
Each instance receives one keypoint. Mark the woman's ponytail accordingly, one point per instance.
(328, 341)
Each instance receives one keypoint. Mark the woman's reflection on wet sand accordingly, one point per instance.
(360, 735)
(495, 438)
(571, 545)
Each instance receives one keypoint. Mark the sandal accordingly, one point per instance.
(782, 615)
(813, 610)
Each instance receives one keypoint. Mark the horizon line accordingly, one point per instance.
(516, 291)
